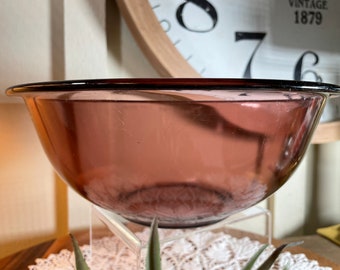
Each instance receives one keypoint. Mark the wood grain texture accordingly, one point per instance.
(327, 132)
(153, 41)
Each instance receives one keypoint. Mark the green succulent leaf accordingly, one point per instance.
(153, 257)
(253, 259)
(80, 261)
(272, 258)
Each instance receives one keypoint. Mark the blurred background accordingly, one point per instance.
(43, 40)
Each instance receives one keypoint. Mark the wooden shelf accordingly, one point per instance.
(327, 132)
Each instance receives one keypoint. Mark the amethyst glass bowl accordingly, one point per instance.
(189, 151)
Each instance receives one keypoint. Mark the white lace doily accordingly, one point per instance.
(208, 250)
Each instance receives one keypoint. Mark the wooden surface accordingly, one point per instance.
(321, 246)
(315, 248)
(327, 132)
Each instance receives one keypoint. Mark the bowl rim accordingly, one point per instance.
(173, 84)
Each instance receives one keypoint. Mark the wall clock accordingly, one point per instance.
(281, 39)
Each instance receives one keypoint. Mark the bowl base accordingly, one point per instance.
(176, 205)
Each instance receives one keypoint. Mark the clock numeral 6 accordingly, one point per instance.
(299, 75)
(205, 6)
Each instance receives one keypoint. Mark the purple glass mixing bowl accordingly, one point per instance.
(189, 151)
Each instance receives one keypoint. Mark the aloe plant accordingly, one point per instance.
(153, 259)
(80, 260)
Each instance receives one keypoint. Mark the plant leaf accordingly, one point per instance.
(80, 261)
(253, 259)
(272, 258)
(153, 257)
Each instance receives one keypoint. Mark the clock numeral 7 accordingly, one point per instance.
(250, 36)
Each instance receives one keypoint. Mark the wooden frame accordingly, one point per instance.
(153, 41)
(165, 58)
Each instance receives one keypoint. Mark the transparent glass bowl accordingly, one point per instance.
(189, 151)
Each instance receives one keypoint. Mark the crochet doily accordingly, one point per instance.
(208, 250)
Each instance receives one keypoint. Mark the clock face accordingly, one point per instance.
(281, 39)
(271, 39)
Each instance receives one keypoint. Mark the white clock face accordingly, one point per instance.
(281, 39)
